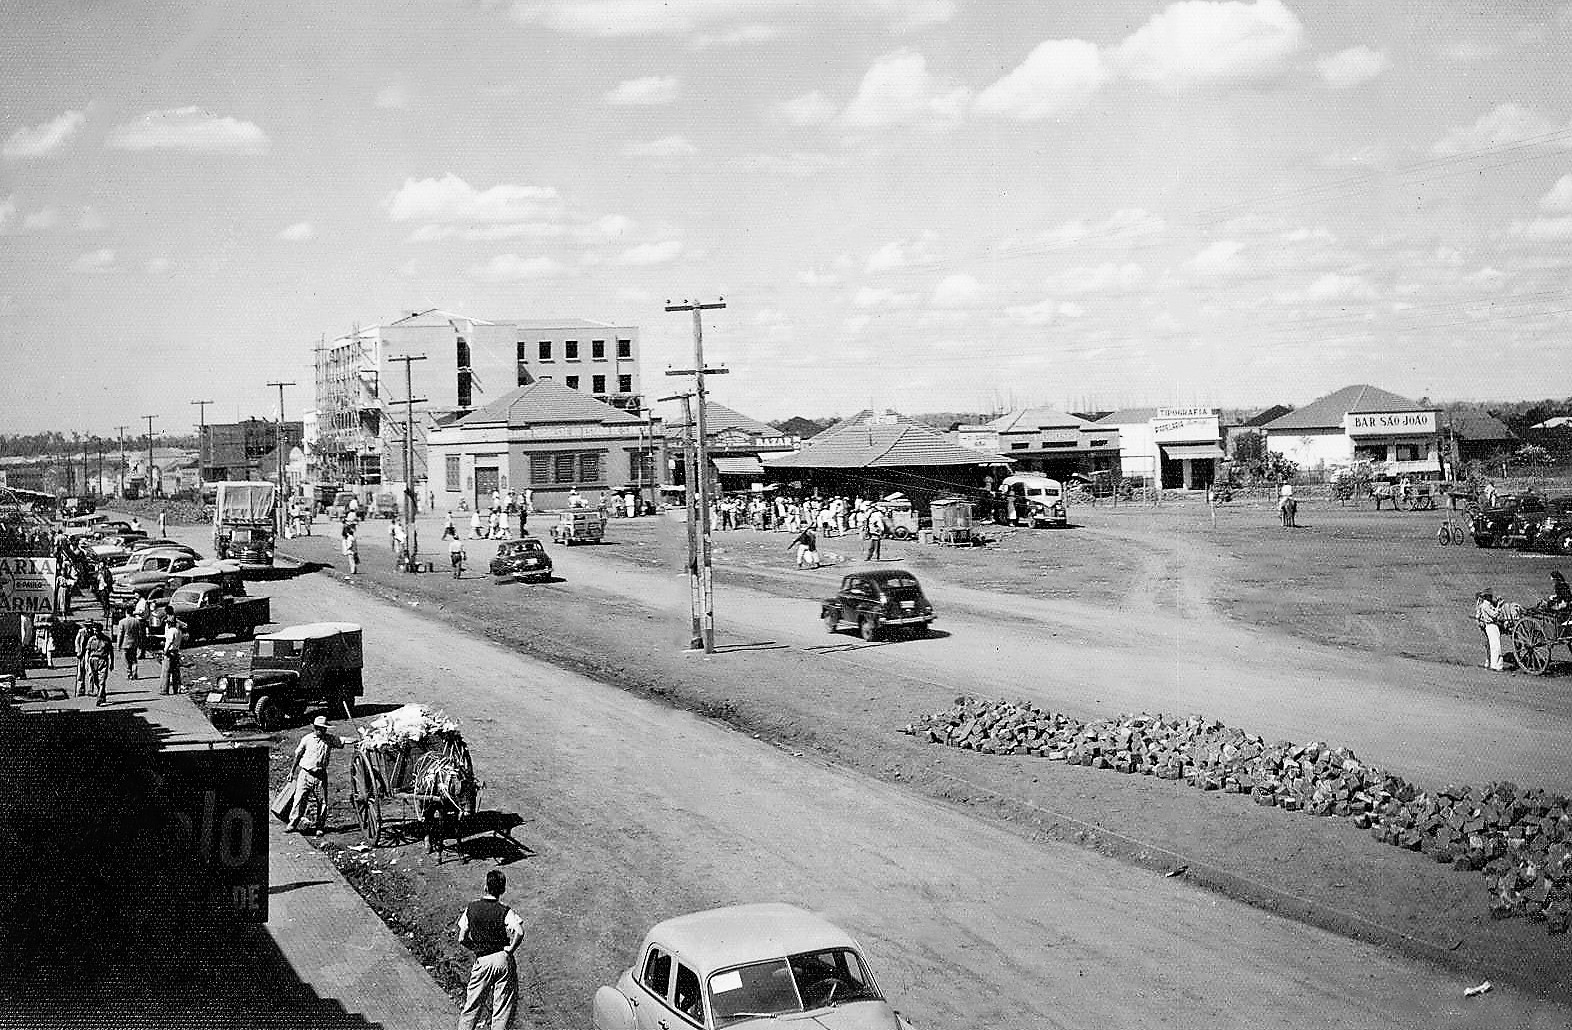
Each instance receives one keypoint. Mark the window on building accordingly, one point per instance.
(597, 350)
(451, 463)
(1370, 452)
(463, 352)
(1013, 446)
(597, 384)
(540, 470)
(523, 352)
(466, 393)
(641, 465)
(571, 382)
(570, 350)
(624, 384)
(624, 348)
(1410, 452)
(589, 467)
(564, 467)
(544, 351)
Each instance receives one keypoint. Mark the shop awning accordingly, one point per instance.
(1192, 451)
(747, 465)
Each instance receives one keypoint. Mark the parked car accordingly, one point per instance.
(524, 559)
(878, 600)
(150, 559)
(293, 670)
(208, 612)
(72, 507)
(344, 503)
(114, 548)
(162, 543)
(1547, 530)
(153, 581)
(1489, 526)
(746, 966)
(577, 525)
(1036, 500)
(387, 506)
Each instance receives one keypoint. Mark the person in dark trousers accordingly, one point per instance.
(83, 635)
(128, 638)
(807, 546)
(493, 931)
(174, 642)
(873, 529)
(100, 657)
(106, 584)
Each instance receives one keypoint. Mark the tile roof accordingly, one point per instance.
(546, 402)
(859, 442)
(1478, 426)
(1327, 412)
(1030, 420)
(1127, 416)
(718, 418)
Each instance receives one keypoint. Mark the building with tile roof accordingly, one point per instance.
(1177, 448)
(1049, 441)
(1361, 423)
(737, 445)
(548, 439)
(872, 454)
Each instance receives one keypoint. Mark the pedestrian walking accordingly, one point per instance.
(79, 648)
(447, 524)
(163, 524)
(456, 555)
(311, 770)
(128, 639)
(100, 656)
(1487, 614)
(351, 549)
(105, 586)
(174, 643)
(493, 932)
(475, 524)
(400, 545)
(873, 530)
(393, 538)
(807, 546)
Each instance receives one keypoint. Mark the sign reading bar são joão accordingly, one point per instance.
(27, 584)
(1390, 423)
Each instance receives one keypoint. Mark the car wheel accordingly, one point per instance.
(868, 626)
(832, 620)
(268, 714)
(1482, 541)
(901, 533)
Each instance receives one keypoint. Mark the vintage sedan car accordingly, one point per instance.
(1488, 526)
(521, 559)
(876, 601)
(151, 559)
(1549, 529)
(153, 582)
(746, 966)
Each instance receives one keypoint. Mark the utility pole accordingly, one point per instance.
(701, 459)
(121, 478)
(99, 486)
(695, 591)
(409, 402)
(202, 448)
(148, 475)
(278, 445)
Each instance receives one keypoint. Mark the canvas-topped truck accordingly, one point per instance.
(243, 527)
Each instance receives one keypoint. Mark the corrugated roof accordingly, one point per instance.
(545, 401)
(860, 442)
(1031, 420)
(1327, 412)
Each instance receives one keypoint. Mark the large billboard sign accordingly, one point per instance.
(218, 814)
(27, 585)
(1390, 423)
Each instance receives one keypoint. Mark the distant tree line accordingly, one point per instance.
(53, 442)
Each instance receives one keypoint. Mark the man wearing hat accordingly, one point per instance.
(1487, 614)
(174, 641)
(311, 769)
(100, 656)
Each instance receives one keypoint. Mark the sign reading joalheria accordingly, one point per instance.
(27, 584)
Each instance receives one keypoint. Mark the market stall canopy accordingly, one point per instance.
(746, 465)
(1192, 450)
(873, 440)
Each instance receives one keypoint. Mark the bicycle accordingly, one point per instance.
(1451, 532)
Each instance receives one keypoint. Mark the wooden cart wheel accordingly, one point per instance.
(1531, 641)
(371, 820)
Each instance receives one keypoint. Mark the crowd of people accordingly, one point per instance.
(147, 630)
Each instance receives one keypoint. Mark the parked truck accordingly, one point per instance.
(243, 527)
(208, 612)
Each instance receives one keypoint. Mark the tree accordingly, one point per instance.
(1532, 454)
(1249, 446)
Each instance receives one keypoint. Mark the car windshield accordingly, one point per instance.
(799, 983)
(187, 597)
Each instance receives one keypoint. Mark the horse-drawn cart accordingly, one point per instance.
(1536, 633)
(414, 757)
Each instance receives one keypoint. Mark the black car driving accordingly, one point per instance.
(879, 600)
(1489, 526)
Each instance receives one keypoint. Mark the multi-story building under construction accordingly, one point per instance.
(468, 362)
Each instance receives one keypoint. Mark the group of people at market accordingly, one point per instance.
(147, 630)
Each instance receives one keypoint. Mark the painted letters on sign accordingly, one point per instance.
(1390, 423)
(27, 585)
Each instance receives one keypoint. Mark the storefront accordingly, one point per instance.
(1361, 424)
(1175, 448)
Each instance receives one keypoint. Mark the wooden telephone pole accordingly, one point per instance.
(279, 512)
(705, 565)
(409, 402)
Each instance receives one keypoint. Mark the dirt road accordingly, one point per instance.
(635, 812)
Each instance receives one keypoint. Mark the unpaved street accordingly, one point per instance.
(635, 812)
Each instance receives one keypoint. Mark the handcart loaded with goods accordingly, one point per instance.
(416, 756)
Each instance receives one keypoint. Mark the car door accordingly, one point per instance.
(652, 990)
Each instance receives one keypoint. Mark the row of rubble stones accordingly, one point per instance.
(1520, 839)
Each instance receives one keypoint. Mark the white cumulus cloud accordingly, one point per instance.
(451, 199)
(1060, 75)
(43, 139)
(297, 232)
(809, 109)
(1508, 123)
(1041, 313)
(667, 146)
(1541, 229)
(392, 98)
(645, 92)
(1220, 258)
(1198, 43)
(1348, 68)
(873, 297)
(95, 260)
(192, 129)
(958, 291)
(1102, 278)
(512, 268)
(1560, 196)
(1125, 226)
(44, 218)
(734, 21)
(156, 266)
(651, 253)
(91, 221)
(899, 90)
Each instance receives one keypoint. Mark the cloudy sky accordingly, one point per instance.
(924, 204)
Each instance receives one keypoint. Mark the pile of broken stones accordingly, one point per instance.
(1520, 839)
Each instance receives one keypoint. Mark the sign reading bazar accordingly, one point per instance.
(27, 585)
(1390, 423)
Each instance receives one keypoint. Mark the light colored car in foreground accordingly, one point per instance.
(746, 966)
